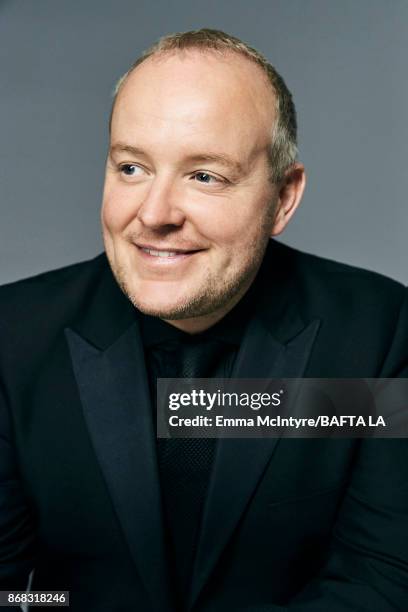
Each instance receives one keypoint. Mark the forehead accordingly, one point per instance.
(194, 94)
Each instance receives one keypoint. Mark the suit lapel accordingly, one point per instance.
(109, 368)
(108, 363)
(240, 463)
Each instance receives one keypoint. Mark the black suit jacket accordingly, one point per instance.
(304, 525)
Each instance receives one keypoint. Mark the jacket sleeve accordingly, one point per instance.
(366, 568)
(367, 565)
(17, 527)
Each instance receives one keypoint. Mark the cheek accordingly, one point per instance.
(109, 216)
(239, 223)
(222, 219)
(119, 207)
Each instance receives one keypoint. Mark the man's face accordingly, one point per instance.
(188, 206)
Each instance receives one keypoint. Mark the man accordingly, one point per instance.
(201, 174)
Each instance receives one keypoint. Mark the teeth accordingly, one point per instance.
(160, 253)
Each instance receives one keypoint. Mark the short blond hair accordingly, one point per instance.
(283, 151)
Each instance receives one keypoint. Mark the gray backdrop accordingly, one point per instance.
(344, 60)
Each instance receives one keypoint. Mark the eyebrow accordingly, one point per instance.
(125, 148)
(218, 158)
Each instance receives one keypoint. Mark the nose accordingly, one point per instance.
(161, 204)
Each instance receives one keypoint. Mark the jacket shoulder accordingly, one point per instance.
(363, 315)
(34, 311)
(332, 279)
(50, 289)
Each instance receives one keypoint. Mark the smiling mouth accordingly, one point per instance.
(167, 254)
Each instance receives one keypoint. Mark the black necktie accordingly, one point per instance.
(185, 463)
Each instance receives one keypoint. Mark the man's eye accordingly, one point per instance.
(204, 177)
(130, 169)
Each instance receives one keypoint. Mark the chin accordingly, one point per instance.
(183, 308)
(178, 301)
(157, 304)
(163, 311)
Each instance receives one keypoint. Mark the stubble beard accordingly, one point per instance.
(210, 296)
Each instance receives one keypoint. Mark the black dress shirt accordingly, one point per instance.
(185, 465)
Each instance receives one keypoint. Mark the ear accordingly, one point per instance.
(290, 193)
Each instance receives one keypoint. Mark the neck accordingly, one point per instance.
(195, 325)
